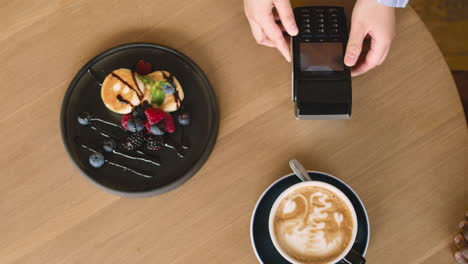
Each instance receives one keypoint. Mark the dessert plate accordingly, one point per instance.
(83, 95)
(260, 235)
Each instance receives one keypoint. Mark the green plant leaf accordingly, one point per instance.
(146, 79)
(157, 96)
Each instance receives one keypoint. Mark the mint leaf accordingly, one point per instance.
(157, 96)
(146, 79)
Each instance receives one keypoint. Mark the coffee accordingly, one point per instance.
(314, 224)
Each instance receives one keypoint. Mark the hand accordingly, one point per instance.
(373, 20)
(263, 25)
(461, 242)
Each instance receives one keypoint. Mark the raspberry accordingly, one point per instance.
(143, 67)
(154, 115)
(154, 142)
(147, 127)
(168, 122)
(125, 119)
(133, 141)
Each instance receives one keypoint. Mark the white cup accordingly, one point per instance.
(326, 186)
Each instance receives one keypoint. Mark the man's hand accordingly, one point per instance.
(263, 25)
(374, 20)
(461, 242)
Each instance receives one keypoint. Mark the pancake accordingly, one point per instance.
(170, 103)
(122, 90)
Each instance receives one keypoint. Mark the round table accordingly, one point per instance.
(404, 150)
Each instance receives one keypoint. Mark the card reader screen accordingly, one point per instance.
(322, 57)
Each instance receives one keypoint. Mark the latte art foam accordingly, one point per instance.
(313, 225)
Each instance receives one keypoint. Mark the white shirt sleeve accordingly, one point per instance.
(394, 3)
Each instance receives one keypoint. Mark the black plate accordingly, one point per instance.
(83, 95)
(260, 235)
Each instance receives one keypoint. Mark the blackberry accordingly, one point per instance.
(154, 142)
(133, 141)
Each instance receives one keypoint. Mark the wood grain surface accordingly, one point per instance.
(404, 150)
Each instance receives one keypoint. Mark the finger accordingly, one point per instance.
(360, 69)
(286, 15)
(278, 22)
(461, 244)
(353, 49)
(373, 58)
(259, 35)
(463, 225)
(459, 258)
(384, 56)
(273, 32)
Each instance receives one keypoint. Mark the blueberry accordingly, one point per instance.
(135, 125)
(96, 160)
(131, 125)
(109, 145)
(168, 88)
(139, 124)
(158, 129)
(138, 111)
(184, 119)
(84, 118)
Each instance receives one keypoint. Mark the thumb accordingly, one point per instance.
(356, 38)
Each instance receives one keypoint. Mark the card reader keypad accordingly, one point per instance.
(320, 24)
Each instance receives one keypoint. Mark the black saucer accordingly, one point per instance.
(260, 236)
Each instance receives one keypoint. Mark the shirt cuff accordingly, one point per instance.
(393, 3)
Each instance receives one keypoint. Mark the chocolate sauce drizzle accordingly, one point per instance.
(118, 165)
(106, 122)
(123, 100)
(135, 158)
(156, 159)
(137, 91)
(170, 79)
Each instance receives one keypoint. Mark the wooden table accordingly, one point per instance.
(404, 150)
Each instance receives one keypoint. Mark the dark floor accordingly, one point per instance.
(461, 79)
(447, 20)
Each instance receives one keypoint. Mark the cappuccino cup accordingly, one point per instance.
(314, 223)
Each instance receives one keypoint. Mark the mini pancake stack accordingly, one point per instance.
(122, 90)
(170, 103)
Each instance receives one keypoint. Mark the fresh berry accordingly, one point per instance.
(143, 68)
(169, 123)
(148, 127)
(139, 112)
(96, 160)
(109, 145)
(154, 142)
(157, 129)
(84, 118)
(139, 124)
(184, 119)
(135, 125)
(125, 119)
(168, 88)
(134, 140)
(131, 126)
(154, 115)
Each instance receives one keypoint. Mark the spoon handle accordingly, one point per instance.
(299, 170)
